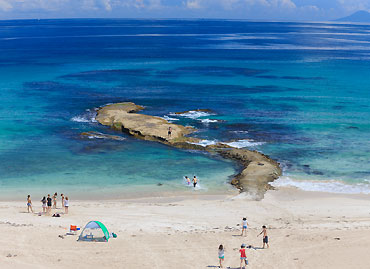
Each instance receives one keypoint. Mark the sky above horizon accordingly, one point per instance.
(309, 10)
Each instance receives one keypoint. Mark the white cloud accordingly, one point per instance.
(272, 3)
(5, 5)
(193, 4)
(354, 5)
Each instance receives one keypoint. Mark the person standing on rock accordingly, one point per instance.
(169, 131)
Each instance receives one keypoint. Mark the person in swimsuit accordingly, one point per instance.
(243, 256)
(221, 255)
(265, 238)
(66, 205)
(55, 200)
(169, 131)
(43, 201)
(187, 180)
(49, 203)
(195, 181)
(244, 226)
(29, 204)
(62, 196)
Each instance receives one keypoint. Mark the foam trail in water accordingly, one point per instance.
(244, 143)
(331, 186)
(89, 116)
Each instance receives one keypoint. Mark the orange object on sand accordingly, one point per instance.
(73, 228)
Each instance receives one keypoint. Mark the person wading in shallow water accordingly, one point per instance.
(195, 181)
(169, 131)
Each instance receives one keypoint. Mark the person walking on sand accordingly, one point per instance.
(62, 196)
(29, 204)
(187, 180)
(49, 203)
(55, 200)
(221, 255)
(244, 226)
(66, 205)
(195, 181)
(169, 131)
(243, 256)
(43, 201)
(265, 238)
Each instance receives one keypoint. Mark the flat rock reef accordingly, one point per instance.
(257, 171)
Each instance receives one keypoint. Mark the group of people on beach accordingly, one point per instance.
(242, 250)
(49, 202)
(188, 181)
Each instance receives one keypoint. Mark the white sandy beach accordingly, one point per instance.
(306, 230)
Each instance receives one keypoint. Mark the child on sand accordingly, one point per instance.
(43, 201)
(243, 256)
(29, 204)
(244, 226)
(221, 255)
(195, 181)
(62, 196)
(187, 180)
(66, 205)
(265, 238)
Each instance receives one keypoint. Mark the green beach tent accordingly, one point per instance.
(94, 231)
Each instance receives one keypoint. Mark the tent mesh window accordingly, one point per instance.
(94, 231)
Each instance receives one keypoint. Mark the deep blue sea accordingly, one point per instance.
(299, 92)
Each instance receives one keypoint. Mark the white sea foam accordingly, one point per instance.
(89, 116)
(244, 143)
(239, 132)
(205, 142)
(167, 118)
(332, 186)
(98, 135)
(206, 121)
(80, 119)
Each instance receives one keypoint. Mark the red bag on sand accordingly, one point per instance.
(73, 228)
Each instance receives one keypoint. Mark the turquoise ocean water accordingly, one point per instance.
(298, 92)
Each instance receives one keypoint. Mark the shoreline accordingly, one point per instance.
(306, 230)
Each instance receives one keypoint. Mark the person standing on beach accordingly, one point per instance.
(49, 203)
(195, 181)
(221, 255)
(169, 131)
(29, 204)
(55, 200)
(244, 226)
(265, 238)
(43, 201)
(243, 256)
(66, 205)
(62, 195)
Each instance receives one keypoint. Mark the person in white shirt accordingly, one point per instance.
(66, 205)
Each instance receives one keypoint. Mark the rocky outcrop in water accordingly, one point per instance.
(258, 170)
